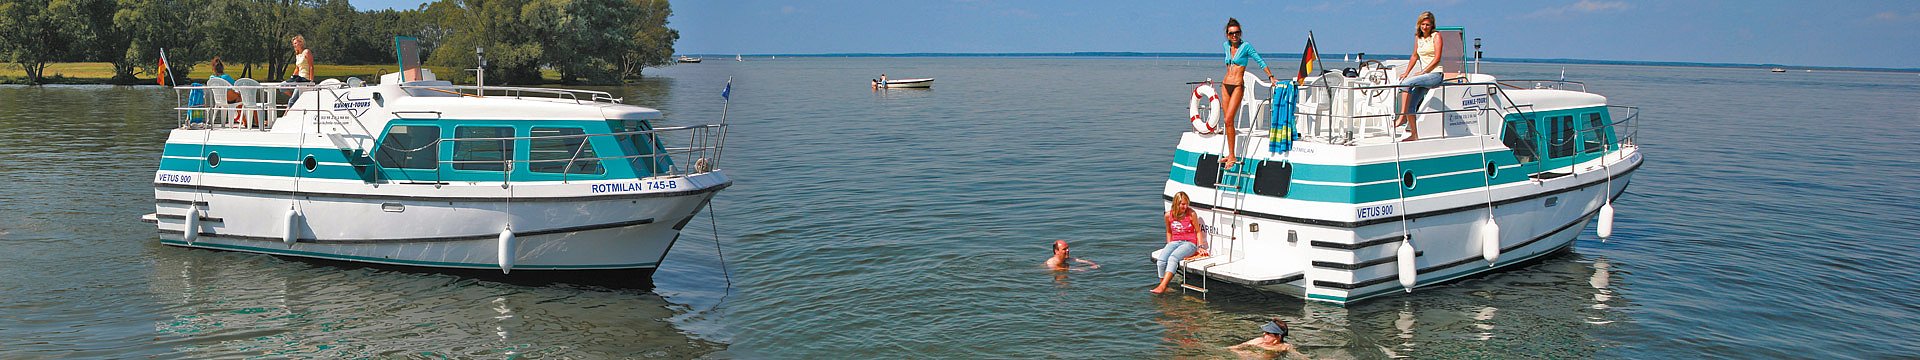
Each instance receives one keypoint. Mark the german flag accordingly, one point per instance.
(1309, 60)
(162, 77)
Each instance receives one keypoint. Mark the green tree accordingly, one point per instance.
(35, 33)
(513, 50)
(98, 38)
(590, 36)
(152, 25)
(653, 39)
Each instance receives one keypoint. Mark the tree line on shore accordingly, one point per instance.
(585, 41)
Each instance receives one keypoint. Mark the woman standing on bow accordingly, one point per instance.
(1232, 86)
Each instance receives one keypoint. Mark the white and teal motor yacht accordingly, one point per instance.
(421, 173)
(1505, 172)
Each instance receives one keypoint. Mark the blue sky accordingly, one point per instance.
(1817, 33)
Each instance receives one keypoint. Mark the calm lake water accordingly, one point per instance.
(1776, 217)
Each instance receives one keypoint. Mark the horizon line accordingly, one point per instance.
(1142, 54)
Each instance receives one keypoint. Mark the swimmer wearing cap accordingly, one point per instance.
(1274, 339)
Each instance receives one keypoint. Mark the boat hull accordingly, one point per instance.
(1344, 262)
(909, 84)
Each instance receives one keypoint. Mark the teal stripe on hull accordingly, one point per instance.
(1389, 188)
(403, 262)
(333, 164)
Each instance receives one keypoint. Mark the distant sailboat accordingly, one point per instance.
(736, 57)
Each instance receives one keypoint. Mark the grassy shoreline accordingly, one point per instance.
(100, 73)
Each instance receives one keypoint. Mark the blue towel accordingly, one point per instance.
(196, 98)
(1282, 131)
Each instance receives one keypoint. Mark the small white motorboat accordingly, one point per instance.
(689, 60)
(1778, 70)
(906, 83)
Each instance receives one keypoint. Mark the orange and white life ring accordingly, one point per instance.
(1211, 122)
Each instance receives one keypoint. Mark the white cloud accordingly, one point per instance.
(1894, 16)
(1582, 7)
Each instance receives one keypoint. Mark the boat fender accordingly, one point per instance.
(293, 227)
(506, 251)
(1407, 268)
(193, 225)
(1211, 122)
(1606, 220)
(1490, 241)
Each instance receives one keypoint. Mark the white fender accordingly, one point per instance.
(1407, 269)
(293, 227)
(1211, 122)
(1606, 220)
(193, 225)
(1490, 241)
(506, 251)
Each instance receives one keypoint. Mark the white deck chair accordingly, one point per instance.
(250, 106)
(219, 110)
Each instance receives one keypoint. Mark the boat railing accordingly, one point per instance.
(1345, 114)
(701, 154)
(1626, 128)
(1556, 84)
(578, 96)
(205, 106)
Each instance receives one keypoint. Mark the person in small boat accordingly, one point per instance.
(1272, 340)
(302, 61)
(1239, 54)
(1063, 258)
(1422, 72)
(1184, 240)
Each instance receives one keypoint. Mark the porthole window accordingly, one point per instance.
(310, 163)
(1492, 169)
(213, 159)
(1406, 179)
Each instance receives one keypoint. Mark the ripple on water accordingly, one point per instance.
(911, 224)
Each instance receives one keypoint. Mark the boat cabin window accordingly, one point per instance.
(642, 144)
(495, 152)
(1520, 136)
(561, 150)
(1561, 137)
(410, 147)
(1595, 135)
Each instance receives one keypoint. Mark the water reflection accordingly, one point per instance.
(1545, 310)
(221, 304)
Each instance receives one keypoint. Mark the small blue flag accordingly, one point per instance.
(727, 92)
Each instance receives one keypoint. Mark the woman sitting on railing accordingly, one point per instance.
(1425, 71)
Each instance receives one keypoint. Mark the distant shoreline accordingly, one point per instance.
(1297, 56)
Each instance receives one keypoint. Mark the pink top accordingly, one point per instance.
(1185, 230)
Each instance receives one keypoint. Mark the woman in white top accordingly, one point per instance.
(302, 61)
(1422, 72)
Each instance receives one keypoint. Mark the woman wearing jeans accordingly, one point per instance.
(1183, 240)
(1424, 69)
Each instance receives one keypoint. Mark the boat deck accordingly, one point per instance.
(1271, 269)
